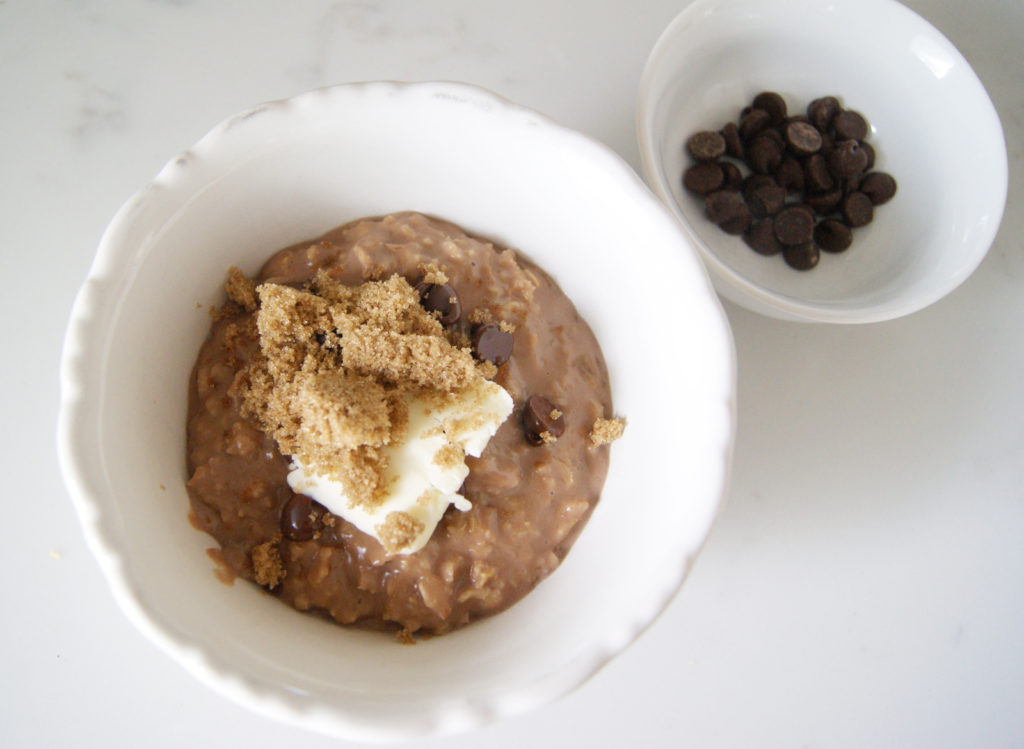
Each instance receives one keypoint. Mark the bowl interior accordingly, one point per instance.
(921, 99)
(292, 170)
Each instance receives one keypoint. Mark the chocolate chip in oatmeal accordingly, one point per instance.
(491, 343)
(543, 422)
(440, 298)
(301, 517)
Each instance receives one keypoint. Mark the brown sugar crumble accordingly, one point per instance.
(398, 530)
(240, 289)
(335, 370)
(605, 431)
(268, 568)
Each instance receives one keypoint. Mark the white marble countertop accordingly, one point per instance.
(863, 586)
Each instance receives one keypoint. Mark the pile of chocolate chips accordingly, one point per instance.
(807, 184)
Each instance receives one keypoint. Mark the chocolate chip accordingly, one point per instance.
(794, 225)
(822, 111)
(491, 343)
(706, 145)
(870, 151)
(728, 209)
(767, 201)
(440, 298)
(847, 159)
(790, 175)
(541, 417)
(803, 207)
(816, 174)
(850, 125)
(753, 122)
(802, 256)
(753, 182)
(878, 186)
(763, 154)
(733, 142)
(301, 518)
(818, 159)
(828, 144)
(803, 138)
(703, 178)
(722, 205)
(733, 176)
(832, 235)
(857, 209)
(773, 104)
(761, 238)
(825, 203)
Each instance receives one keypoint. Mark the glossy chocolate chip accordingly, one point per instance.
(878, 186)
(850, 125)
(542, 420)
(442, 299)
(802, 138)
(773, 104)
(794, 225)
(857, 209)
(703, 178)
(301, 518)
(491, 343)
(761, 238)
(832, 235)
(802, 256)
(706, 145)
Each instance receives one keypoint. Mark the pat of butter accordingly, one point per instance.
(423, 477)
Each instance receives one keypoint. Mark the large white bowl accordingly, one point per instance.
(933, 126)
(290, 170)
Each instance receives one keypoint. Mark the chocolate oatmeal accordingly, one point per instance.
(318, 363)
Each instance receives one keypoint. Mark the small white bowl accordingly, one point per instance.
(933, 126)
(290, 170)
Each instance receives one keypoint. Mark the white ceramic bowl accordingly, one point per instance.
(933, 126)
(290, 170)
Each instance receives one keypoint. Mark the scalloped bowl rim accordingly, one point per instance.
(84, 377)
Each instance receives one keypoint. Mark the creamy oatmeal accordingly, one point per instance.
(288, 348)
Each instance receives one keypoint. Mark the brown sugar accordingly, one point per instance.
(398, 531)
(267, 567)
(336, 368)
(241, 290)
(605, 431)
